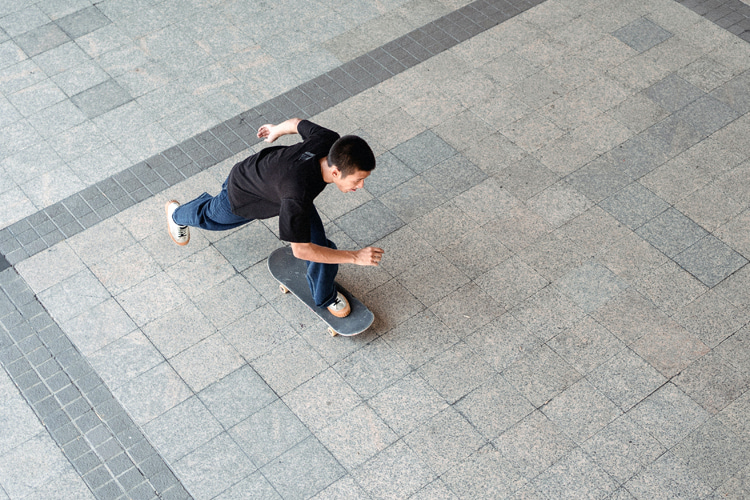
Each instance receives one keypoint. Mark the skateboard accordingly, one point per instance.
(290, 272)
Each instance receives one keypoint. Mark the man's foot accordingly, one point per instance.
(179, 234)
(340, 307)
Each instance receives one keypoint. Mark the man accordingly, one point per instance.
(284, 181)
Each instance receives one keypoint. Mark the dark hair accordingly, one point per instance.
(351, 153)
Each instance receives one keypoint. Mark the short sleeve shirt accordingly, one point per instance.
(283, 181)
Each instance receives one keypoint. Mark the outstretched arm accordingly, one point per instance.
(369, 256)
(273, 132)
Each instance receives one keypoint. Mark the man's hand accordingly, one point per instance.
(270, 132)
(370, 256)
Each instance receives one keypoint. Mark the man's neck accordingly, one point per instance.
(325, 170)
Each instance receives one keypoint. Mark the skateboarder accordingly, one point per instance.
(284, 181)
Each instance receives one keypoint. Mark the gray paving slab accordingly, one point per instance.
(41, 39)
(725, 261)
(623, 448)
(642, 34)
(671, 232)
(668, 476)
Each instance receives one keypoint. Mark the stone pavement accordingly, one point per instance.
(562, 194)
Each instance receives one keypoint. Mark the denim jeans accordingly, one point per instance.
(214, 213)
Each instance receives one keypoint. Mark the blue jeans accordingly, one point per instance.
(214, 213)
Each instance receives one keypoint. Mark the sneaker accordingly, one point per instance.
(340, 307)
(179, 234)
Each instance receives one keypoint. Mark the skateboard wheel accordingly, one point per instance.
(283, 289)
(332, 332)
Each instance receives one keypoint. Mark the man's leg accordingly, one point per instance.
(213, 213)
(321, 276)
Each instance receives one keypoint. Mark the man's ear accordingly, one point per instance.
(335, 172)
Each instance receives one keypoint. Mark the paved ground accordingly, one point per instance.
(562, 311)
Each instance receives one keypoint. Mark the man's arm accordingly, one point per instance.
(369, 256)
(273, 132)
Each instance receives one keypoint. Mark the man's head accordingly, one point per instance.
(352, 161)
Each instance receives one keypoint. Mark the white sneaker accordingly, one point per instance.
(340, 307)
(179, 234)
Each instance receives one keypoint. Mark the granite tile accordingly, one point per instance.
(182, 429)
(392, 304)
(152, 393)
(453, 383)
(634, 205)
(82, 22)
(669, 415)
(710, 260)
(366, 436)
(667, 477)
(41, 39)
(713, 452)
(502, 341)
(385, 474)
(642, 34)
(626, 379)
(533, 445)
(303, 470)
(591, 286)
(443, 440)
(274, 366)
(673, 93)
(511, 282)
(102, 98)
(575, 476)
(253, 485)
(712, 382)
(124, 359)
(213, 467)
(73, 296)
(485, 473)
(358, 224)
(206, 362)
(559, 204)
(581, 410)
(671, 232)
(494, 407)
(623, 448)
(258, 332)
(466, 309)
(541, 374)
(407, 202)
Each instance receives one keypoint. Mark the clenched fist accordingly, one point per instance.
(369, 256)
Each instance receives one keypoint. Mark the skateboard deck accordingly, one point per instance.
(290, 272)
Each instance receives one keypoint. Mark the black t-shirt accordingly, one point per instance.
(283, 181)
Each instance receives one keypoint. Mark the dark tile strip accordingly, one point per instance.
(86, 208)
(75, 406)
(732, 15)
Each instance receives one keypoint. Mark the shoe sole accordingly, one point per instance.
(166, 209)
